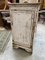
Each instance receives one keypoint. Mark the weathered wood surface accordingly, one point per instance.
(24, 18)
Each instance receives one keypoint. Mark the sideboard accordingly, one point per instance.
(24, 19)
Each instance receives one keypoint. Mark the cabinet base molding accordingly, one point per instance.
(16, 46)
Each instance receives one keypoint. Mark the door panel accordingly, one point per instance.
(22, 27)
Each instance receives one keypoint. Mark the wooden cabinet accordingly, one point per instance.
(2, 4)
(1, 21)
(23, 18)
(44, 4)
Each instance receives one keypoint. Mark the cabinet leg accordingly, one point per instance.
(14, 45)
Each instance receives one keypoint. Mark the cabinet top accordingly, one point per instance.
(24, 4)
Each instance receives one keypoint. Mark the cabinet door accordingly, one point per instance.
(22, 27)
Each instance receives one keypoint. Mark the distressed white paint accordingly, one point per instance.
(24, 22)
(22, 27)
